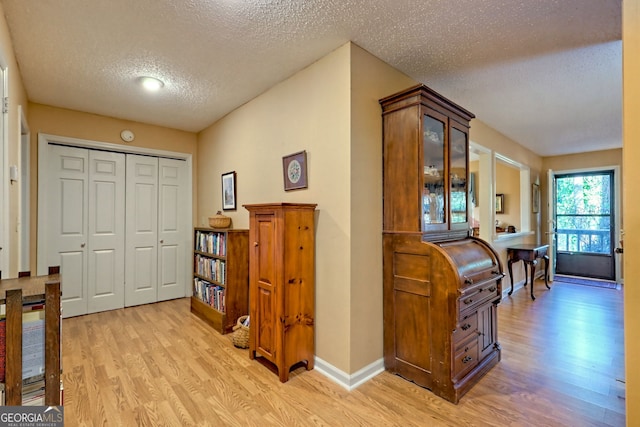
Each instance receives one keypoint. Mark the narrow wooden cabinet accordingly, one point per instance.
(441, 285)
(282, 284)
(220, 276)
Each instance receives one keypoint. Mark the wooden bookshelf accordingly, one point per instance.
(14, 293)
(221, 259)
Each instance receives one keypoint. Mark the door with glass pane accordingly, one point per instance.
(585, 226)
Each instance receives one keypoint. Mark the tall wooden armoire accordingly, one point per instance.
(441, 285)
(282, 284)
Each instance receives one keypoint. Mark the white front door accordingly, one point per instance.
(67, 224)
(106, 231)
(172, 225)
(141, 284)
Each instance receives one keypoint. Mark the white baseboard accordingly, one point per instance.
(350, 382)
(516, 287)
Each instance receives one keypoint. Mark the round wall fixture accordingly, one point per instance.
(127, 135)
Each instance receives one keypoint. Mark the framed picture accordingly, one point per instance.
(499, 203)
(294, 169)
(229, 191)
(535, 198)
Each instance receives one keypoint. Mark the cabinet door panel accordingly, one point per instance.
(458, 174)
(434, 191)
(265, 336)
(266, 287)
(412, 329)
(487, 327)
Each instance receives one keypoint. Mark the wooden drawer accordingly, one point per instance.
(466, 358)
(467, 326)
(471, 300)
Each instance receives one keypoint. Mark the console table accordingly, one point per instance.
(529, 254)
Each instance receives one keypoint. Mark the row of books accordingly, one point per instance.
(210, 294)
(213, 243)
(32, 394)
(211, 268)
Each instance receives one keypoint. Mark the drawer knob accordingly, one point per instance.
(492, 289)
(468, 301)
(467, 359)
(466, 326)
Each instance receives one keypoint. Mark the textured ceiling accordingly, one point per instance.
(547, 73)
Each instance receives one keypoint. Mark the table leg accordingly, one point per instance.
(526, 278)
(510, 275)
(533, 276)
(546, 271)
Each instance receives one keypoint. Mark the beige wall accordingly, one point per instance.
(75, 124)
(593, 159)
(490, 138)
(631, 209)
(371, 80)
(17, 97)
(498, 143)
(309, 111)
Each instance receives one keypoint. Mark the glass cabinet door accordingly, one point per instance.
(433, 192)
(458, 175)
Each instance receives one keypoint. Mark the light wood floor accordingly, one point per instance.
(155, 365)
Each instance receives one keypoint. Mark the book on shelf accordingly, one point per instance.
(210, 293)
(33, 392)
(211, 242)
(211, 268)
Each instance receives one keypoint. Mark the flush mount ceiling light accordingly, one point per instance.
(150, 83)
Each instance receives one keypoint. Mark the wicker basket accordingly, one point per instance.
(241, 333)
(219, 221)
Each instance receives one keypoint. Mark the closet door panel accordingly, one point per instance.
(172, 229)
(141, 262)
(73, 266)
(106, 230)
(67, 223)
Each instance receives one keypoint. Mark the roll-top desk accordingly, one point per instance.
(441, 285)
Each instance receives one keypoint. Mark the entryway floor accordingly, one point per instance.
(607, 284)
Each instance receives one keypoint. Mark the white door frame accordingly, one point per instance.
(617, 176)
(43, 142)
(4, 171)
(24, 230)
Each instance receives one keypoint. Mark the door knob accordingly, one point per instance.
(161, 241)
(82, 245)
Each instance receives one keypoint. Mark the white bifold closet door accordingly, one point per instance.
(86, 227)
(156, 244)
(117, 229)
